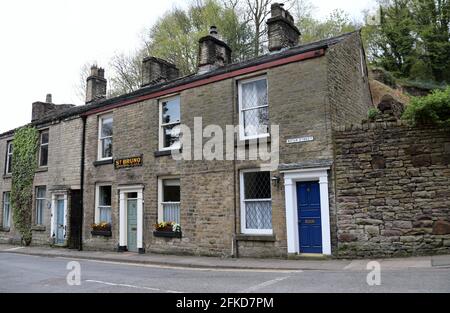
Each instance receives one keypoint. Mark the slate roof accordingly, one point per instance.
(77, 110)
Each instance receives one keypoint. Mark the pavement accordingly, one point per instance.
(57, 274)
(423, 262)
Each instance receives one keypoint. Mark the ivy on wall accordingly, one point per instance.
(24, 163)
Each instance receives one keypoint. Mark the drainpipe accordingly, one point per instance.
(83, 144)
(235, 242)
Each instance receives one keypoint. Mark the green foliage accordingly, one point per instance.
(175, 36)
(24, 165)
(387, 78)
(422, 84)
(432, 109)
(337, 23)
(373, 113)
(412, 40)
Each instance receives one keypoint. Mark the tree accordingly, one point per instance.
(126, 73)
(175, 36)
(337, 23)
(412, 40)
(432, 24)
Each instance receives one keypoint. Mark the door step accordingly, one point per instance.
(309, 256)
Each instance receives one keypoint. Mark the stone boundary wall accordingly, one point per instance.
(392, 189)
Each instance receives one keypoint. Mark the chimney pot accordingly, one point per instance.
(213, 31)
(48, 98)
(96, 84)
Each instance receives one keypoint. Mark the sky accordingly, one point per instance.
(44, 44)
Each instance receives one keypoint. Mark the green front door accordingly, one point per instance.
(132, 225)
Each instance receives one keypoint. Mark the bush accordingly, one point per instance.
(373, 113)
(432, 109)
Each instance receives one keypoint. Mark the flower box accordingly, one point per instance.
(167, 234)
(104, 233)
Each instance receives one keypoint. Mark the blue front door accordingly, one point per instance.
(309, 218)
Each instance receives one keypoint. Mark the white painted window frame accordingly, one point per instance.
(162, 125)
(6, 223)
(97, 201)
(37, 199)
(244, 229)
(100, 138)
(9, 156)
(161, 195)
(242, 136)
(290, 186)
(45, 131)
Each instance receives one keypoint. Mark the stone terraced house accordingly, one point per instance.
(112, 161)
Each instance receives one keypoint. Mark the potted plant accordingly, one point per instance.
(101, 229)
(167, 230)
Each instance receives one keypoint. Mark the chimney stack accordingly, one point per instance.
(96, 84)
(157, 70)
(42, 109)
(282, 31)
(213, 52)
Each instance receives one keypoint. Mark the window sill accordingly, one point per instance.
(6, 176)
(42, 169)
(246, 142)
(4, 229)
(248, 237)
(38, 228)
(103, 162)
(165, 152)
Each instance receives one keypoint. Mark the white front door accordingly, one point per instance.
(131, 218)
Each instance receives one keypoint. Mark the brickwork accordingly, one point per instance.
(348, 86)
(393, 190)
(210, 203)
(62, 174)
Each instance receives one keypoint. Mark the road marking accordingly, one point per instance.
(14, 249)
(131, 286)
(265, 284)
(207, 269)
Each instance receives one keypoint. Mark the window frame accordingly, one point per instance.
(37, 199)
(9, 156)
(244, 229)
(100, 138)
(242, 82)
(161, 125)
(46, 131)
(161, 196)
(97, 202)
(4, 224)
